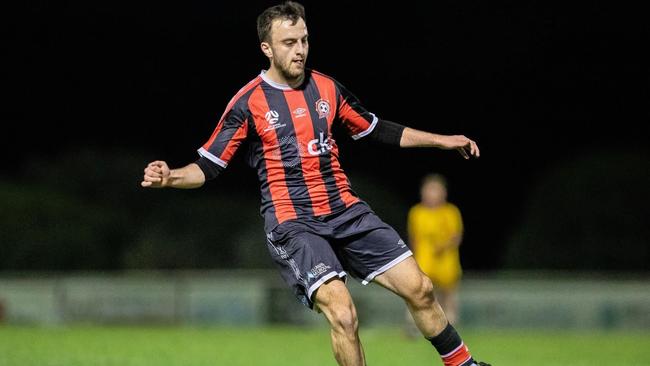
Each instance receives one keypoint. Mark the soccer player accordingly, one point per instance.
(318, 229)
(435, 228)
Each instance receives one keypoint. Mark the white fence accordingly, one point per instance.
(255, 298)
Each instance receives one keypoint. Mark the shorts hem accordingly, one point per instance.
(386, 267)
(321, 281)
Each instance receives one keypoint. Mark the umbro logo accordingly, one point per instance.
(299, 112)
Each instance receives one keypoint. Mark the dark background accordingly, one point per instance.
(555, 94)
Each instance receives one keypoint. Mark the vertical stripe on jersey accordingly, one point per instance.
(277, 184)
(311, 171)
(356, 119)
(340, 180)
(289, 147)
(312, 95)
(347, 195)
(256, 160)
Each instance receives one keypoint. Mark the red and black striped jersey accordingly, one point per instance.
(289, 136)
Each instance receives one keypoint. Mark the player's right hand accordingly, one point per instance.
(156, 175)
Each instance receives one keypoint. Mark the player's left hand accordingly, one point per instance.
(470, 148)
(465, 146)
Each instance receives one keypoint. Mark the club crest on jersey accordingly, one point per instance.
(323, 108)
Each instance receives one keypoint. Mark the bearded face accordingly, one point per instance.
(288, 49)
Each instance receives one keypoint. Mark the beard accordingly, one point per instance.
(288, 72)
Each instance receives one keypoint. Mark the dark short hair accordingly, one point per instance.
(289, 10)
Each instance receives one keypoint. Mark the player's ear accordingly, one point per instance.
(266, 48)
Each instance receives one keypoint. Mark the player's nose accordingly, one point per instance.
(300, 47)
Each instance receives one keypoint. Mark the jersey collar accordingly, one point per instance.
(279, 85)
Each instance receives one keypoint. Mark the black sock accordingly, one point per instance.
(451, 348)
(447, 341)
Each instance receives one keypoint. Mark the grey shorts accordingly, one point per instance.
(312, 251)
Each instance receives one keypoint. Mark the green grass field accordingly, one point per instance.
(162, 346)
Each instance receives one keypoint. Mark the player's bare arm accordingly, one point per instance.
(158, 175)
(416, 138)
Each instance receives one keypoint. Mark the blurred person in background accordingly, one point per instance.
(435, 229)
(318, 230)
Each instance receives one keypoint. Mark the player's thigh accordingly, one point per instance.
(333, 299)
(404, 279)
(333, 295)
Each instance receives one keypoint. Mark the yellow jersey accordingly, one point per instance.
(430, 230)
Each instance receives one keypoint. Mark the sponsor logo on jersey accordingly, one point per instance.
(273, 117)
(319, 146)
(323, 108)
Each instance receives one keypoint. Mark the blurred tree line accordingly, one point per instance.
(86, 211)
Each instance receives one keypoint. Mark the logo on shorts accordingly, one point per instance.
(401, 244)
(318, 270)
(323, 108)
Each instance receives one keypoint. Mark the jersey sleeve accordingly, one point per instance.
(356, 120)
(230, 132)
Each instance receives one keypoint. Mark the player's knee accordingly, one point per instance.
(422, 294)
(343, 319)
